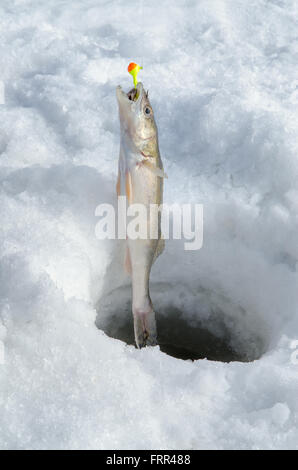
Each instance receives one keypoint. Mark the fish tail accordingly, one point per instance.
(143, 313)
(145, 327)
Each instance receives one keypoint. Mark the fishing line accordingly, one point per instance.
(142, 31)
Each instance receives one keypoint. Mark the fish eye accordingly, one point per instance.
(147, 110)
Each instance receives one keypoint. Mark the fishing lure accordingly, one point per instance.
(134, 69)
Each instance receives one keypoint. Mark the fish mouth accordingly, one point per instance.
(133, 96)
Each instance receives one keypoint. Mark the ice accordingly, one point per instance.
(222, 78)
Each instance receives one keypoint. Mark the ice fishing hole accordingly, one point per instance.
(205, 326)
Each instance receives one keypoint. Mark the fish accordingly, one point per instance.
(140, 179)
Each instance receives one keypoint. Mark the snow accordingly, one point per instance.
(223, 83)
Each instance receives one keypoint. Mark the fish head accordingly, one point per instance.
(136, 115)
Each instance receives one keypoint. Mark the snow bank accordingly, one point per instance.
(223, 84)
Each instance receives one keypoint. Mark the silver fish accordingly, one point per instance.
(140, 179)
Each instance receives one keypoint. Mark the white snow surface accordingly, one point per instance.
(223, 83)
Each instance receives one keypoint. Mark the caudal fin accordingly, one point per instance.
(145, 328)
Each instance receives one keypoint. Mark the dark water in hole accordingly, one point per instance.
(176, 336)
